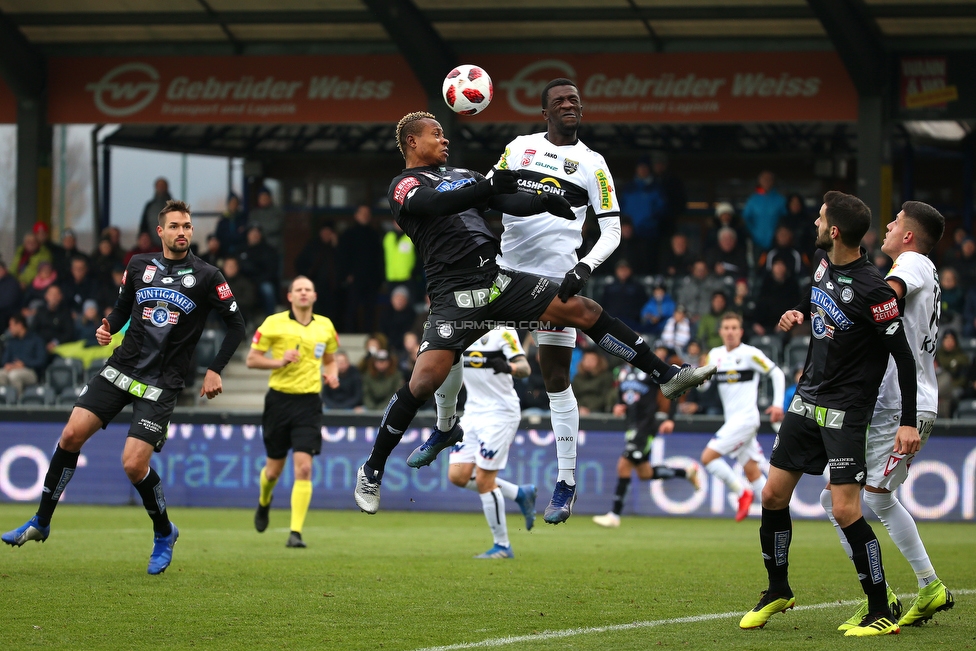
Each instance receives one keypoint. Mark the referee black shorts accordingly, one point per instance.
(804, 444)
(150, 417)
(292, 421)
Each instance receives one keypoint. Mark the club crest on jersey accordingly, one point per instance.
(445, 330)
(570, 166)
(149, 274)
(847, 294)
(527, 157)
(188, 281)
(821, 270)
(160, 315)
(819, 326)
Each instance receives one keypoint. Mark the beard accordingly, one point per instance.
(824, 242)
(177, 247)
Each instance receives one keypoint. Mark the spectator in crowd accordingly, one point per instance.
(115, 237)
(594, 384)
(674, 188)
(319, 262)
(259, 263)
(725, 217)
(399, 257)
(677, 260)
(11, 295)
(645, 200)
(349, 393)
(231, 229)
(361, 265)
(211, 255)
(24, 357)
(728, 257)
(656, 311)
(780, 292)
(695, 291)
(969, 390)
(951, 255)
(53, 321)
(245, 293)
(58, 259)
(28, 257)
(104, 260)
(381, 380)
(376, 342)
(969, 313)
(966, 264)
(108, 292)
(399, 316)
(693, 353)
(953, 298)
(79, 286)
(624, 297)
(144, 244)
(46, 276)
(69, 242)
(953, 361)
(799, 221)
(86, 323)
(881, 261)
(709, 322)
(631, 249)
(411, 348)
(677, 330)
(150, 213)
(797, 262)
(271, 219)
(763, 210)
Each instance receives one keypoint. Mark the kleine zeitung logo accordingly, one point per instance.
(133, 95)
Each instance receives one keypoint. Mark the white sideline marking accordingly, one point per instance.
(693, 619)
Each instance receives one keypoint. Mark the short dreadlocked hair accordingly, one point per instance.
(409, 126)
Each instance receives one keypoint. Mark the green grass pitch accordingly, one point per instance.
(408, 581)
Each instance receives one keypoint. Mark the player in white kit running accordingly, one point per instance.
(910, 237)
(491, 417)
(738, 370)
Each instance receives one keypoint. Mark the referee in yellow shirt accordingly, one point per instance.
(301, 345)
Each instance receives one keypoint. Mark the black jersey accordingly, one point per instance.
(639, 393)
(855, 323)
(166, 303)
(441, 240)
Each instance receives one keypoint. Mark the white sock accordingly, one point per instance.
(446, 397)
(564, 413)
(827, 502)
(509, 490)
(904, 533)
(759, 484)
(493, 504)
(472, 485)
(718, 468)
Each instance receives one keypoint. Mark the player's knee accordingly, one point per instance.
(879, 502)
(72, 438)
(457, 477)
(303, 472)
(422, 388)
(772, 499)
(557, 380)
(135, 469)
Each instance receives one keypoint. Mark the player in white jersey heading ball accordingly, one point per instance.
(738, 370)
(910, 237)
(491, 418)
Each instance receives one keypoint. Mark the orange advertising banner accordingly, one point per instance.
(8, 104)
(667, 88)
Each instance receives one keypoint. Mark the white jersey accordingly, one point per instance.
(542, 244)
(921, 313)
(490, 393)
(737, 373)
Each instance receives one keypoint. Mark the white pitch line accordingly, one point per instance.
(693, 619)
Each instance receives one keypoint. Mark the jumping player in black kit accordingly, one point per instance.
(166, 298)
(441, 209)
(856, 324)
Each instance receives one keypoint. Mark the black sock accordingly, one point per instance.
(613, 336)
(63, 464)
(623, 483)
(396, 419)
(867, 561)
(775, 535)
(151, 491)
(667, 472)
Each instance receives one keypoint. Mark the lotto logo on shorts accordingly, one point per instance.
(223, 291)
(885, 311)
(403, 188)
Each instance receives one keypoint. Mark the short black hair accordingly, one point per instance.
(931, 223)
(850, 215)
(19, 318)
(560, 81)
(173, 205)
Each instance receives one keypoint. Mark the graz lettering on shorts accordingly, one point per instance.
(824, 416)
(169, 295)
(473, 297)
(618, 348)
(129, 385)
(823, 300)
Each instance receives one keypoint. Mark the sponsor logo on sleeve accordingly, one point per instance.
(503, 161)
(885, 311)
(223, 291)
(257, 337)
(403, 187)
(606, 191)
(125, 276)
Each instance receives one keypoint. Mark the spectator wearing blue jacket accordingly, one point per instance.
(645, 201)
(624, 296)
(763, 211)
(657, 311)
(24, 356)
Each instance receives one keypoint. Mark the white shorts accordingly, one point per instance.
(737, 439)
(886, 469)
(487, 439)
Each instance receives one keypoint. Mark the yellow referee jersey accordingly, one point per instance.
(281, 332)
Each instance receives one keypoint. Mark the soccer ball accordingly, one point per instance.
(467, 90)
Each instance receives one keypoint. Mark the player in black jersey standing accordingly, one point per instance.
(165, 297)
(856, 324)
(442, 211)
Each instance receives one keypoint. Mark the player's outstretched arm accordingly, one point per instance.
(523, 204)
(428, 202)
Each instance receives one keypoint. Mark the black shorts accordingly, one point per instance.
(465, 307)
(150, 413)
(292, 421)
(638, 449)
(806, 445)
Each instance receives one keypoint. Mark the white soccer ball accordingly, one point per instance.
(467, 90)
